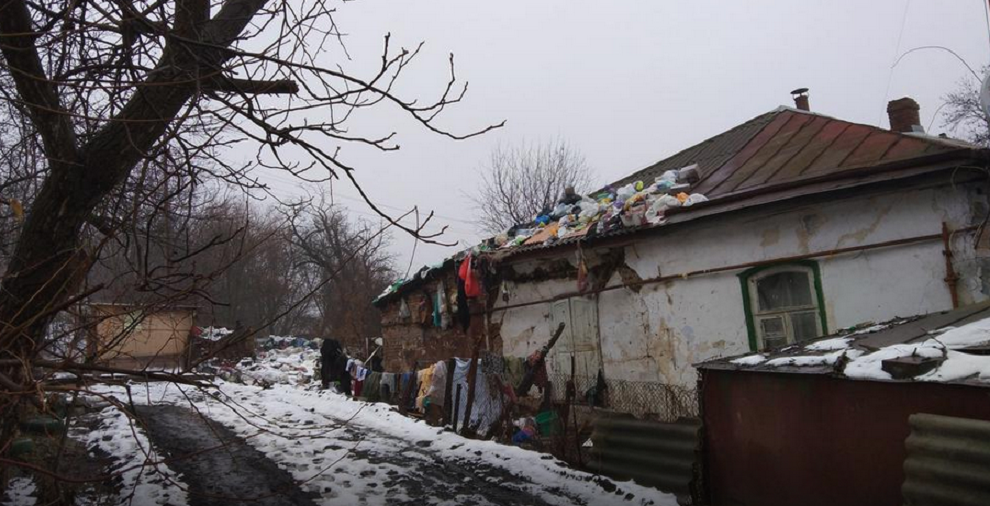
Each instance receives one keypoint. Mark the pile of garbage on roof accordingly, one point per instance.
(633, 205)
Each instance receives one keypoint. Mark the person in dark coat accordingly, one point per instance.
(341, 374)
(330, 352)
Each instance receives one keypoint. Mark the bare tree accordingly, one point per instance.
(131, 106)
(325, 239)
(964, 115)
(522, 181)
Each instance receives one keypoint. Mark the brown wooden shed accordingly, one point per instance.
(135, 336)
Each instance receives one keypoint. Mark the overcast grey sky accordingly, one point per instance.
(628, 83)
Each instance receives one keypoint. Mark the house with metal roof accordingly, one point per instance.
(889, 413)
(780, 230)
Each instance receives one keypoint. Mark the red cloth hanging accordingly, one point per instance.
(472, 283)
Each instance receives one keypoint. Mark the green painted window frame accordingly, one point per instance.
(744, 278)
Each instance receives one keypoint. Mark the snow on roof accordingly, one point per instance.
(953, 342)
(215, 333)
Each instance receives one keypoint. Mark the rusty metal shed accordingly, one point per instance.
(790, 434)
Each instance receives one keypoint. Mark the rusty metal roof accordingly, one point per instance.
(786, 146)
(709, 154)
(782, 154)
(866, 338)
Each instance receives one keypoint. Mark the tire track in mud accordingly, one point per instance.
(378, 469)
(234, 474)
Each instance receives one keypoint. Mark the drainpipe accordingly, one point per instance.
(951, 279)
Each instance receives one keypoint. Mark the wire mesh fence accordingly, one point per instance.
(647, 399)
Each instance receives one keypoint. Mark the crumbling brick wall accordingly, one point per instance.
(414, 341)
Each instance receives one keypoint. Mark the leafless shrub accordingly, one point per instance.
(522, 181)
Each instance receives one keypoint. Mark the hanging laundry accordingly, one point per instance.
(407, 383)
(423, 310)
(463, 313)
(469, 274)
(387, 387)
(372, 387)
(515, 370)
(424, 377)
(444, 305)
(438, 384)
(440, 317)
(438, 309)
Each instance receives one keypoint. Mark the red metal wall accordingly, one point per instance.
(804, 439)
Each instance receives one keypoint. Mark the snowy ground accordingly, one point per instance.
(349, 452)
(145, 478)
(20, 492)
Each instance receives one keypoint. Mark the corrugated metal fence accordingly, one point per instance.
(948, 462)
(662, 455)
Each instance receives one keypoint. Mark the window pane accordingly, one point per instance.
(805, 325)
(784, 289)
(773, 332)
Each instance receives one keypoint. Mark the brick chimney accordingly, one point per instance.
(905, 116)
(800, 97)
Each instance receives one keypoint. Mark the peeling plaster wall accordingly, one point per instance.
(655, 334)
(526, 329)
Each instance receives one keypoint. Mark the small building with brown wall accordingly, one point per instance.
(816, 427)
(138, 336)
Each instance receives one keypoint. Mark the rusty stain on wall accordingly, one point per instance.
(771, 236)
(860, 235)
(810, 225)
(666, 352)
(629, 277)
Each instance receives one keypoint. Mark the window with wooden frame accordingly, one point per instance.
(783, 304)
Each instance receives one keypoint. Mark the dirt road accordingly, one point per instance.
(219, 467)
(390, 471)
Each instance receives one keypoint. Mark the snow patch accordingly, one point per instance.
(215, 333)
(873, 328)
(836, 343)
(971, 334)
(871, 366)
(20, 492)
(750, 360)
(959, 366)
(814, 360)
(146, 480)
